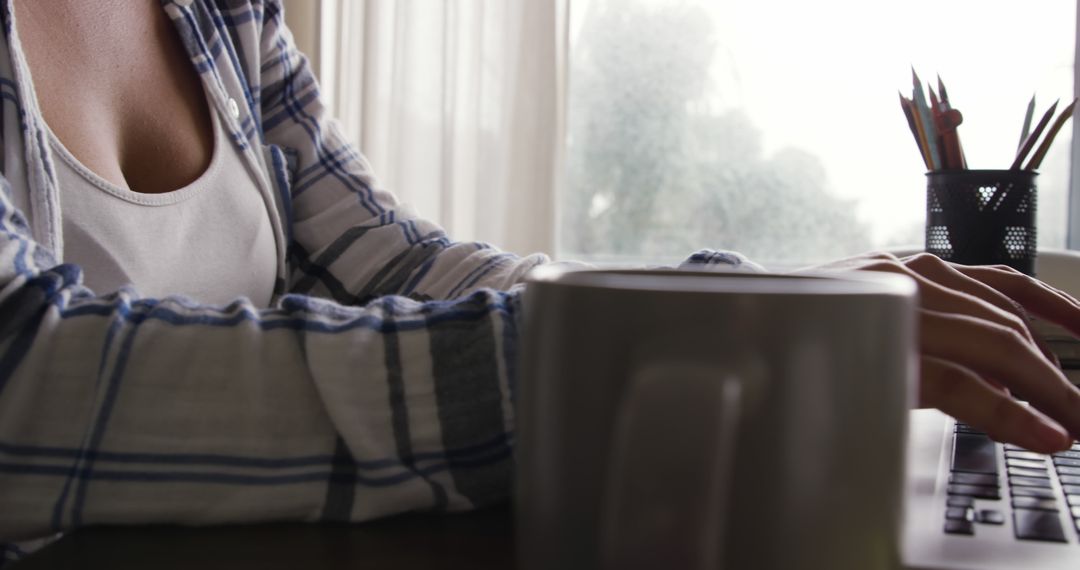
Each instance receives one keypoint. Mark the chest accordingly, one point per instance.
(116, 86)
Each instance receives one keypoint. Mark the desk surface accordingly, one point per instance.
(479, 540)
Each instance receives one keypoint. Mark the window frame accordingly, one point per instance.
(1072, 235)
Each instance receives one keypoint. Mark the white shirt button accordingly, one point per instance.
(234, 109)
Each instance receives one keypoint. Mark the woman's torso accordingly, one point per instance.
(148, 197)
(114, 83)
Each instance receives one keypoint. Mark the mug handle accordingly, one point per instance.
(669, 469)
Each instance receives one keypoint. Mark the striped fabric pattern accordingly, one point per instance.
(379, 381)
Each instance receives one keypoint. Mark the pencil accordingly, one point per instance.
(1037, 158)
(1027, 123)
(954, 151)
(941, 91)
(1030, 141)
(920, 128)
(939, 128)
(905, 104)
(922, 116)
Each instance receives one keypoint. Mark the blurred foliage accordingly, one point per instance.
(654, 174)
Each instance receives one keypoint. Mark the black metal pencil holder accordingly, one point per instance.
(982, 217)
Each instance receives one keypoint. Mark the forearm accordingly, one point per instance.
(121, 410)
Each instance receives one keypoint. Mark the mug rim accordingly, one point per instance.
(848, 282)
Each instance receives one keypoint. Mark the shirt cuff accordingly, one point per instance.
(708, 259)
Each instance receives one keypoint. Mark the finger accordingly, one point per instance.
(857, 262)
(1036, 297)
(950, 277)
(940, 297)
(959, 392)
(993, 351)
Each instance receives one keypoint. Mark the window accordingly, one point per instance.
(773, 127)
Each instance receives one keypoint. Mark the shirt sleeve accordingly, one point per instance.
(711, 259)
(351, 240)
(117, 409)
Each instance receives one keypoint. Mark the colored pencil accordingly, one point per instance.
(922, 116)
(921, 129)
(953, 119)
(942, 92)
(1024, 132)
(905, 104)
(1040, 154)
(1030, 141)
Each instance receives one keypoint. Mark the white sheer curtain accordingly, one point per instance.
(458, 104)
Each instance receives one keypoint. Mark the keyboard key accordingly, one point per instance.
(1033, 492)
(1070, 454)
(1025, 472)
(1071, 489)
(990, 516)
(1076, 512)
(1030, 482)
(1025, 463)
(1066, 462)
(960, 501)
(1031, 456)
(959, 514)
(959, 527)
(1062, 470)
(974, 479)
(1074, 500)
(977, 491)
(974, 454)
(1034, 503)
(1069, 479)
(1037, 525)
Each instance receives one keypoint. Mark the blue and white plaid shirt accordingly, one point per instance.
(378, 382)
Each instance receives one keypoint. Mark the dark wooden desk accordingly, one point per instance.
(479, 540)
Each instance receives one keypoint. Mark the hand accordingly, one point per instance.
(977, 348)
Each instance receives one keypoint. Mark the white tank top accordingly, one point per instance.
(210, 240)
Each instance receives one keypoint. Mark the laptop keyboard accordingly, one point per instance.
(1034, 489)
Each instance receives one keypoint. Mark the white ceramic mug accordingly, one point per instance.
(672, 419)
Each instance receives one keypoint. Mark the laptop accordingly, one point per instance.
(972, 503)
